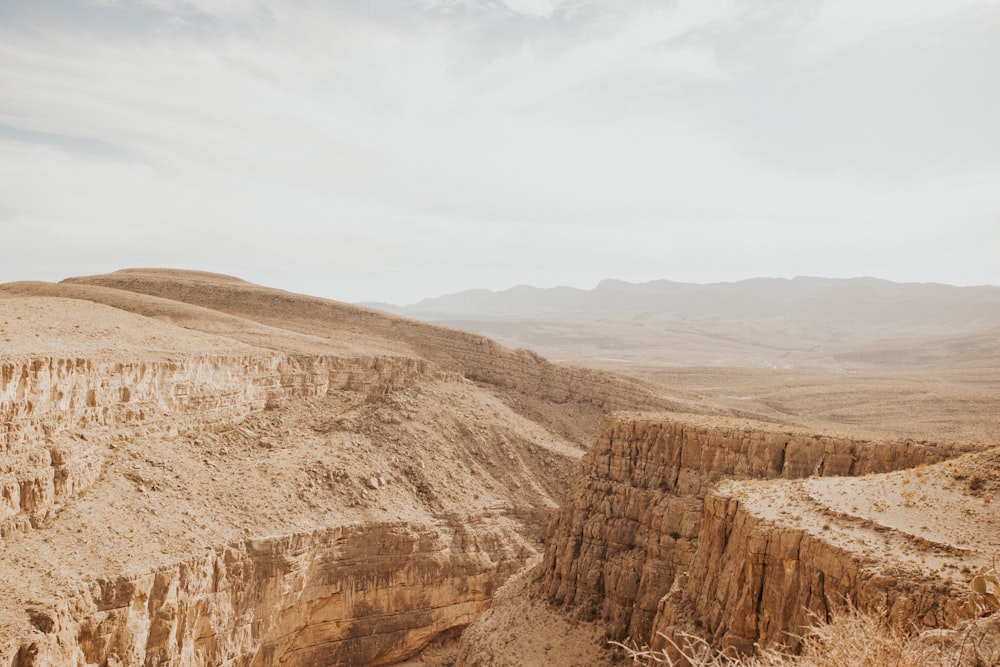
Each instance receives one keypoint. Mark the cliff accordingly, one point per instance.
(476, 357)
(645, 519)
(356, 594)
(760, 579)
(184, 485)
(350, 595)
(43, 399)
(195, 470)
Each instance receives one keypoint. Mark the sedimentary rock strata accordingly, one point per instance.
(476, 357)
(189, 486)
(756, 579)
(643, 521)
(195, 470)
(47, 405)
(350, 595)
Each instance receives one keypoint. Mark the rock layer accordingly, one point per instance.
(351, 595)
(368, 593)
(299, 483)
(49, 405)
(636, 517)
(476, 357)
(758, 581)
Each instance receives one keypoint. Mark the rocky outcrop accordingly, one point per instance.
(636, 518)
(754, 581)
(483, 360)
(55, 414)
(39, 396)
(131, 458)
(366, 593)
(350, 595)
(476, 357)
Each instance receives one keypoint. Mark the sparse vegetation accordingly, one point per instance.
(976, 483)
(850, 639)
(986, 587)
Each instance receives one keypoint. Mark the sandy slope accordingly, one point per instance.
(65, 327)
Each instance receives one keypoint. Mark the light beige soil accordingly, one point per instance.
(898, 381)
(939, 522)
(951, 403)
(944, 516)
(522, 628)
(62, 327)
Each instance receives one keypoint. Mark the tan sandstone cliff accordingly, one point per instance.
(362, 593)
(351, 595)
(299, 483)
(43, 398)
(647, 543)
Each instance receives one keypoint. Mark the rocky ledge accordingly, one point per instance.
(653, 539)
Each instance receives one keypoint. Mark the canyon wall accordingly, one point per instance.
(483, 360)
(56, 414)
(366, 594)
(637, 518)
(476, 357)
(754, 581)
(362, 594)
(39, 396)
(372, 592)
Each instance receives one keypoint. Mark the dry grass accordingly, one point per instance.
(851, 639)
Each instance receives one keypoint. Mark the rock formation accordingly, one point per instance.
(295, 481)
(44, 397)
(196, 470)
(351, 595)
(650, 541)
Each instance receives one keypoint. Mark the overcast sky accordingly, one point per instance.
(396, 149)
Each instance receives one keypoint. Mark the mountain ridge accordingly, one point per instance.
(862, 301)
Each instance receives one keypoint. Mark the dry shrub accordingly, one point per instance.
(855, 639)
(851, 639)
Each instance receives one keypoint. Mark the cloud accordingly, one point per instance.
(471, 141)
(835, 26)
(538, 8)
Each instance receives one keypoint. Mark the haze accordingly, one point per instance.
(389, 151)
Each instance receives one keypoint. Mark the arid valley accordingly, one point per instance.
(198, 470)
(499, 333)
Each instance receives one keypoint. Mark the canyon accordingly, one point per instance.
(186, 485)
(196, 470)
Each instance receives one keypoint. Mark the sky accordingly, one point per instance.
(391, 150)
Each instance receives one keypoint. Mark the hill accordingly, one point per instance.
(184, 451)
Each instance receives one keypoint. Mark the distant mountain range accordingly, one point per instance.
(855, 302)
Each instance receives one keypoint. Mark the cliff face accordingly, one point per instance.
(309, 490)
(758, 581)
(638, 518)
(289, 481)
(39, 396)
(351, 595)
(368, 592)
(476, 357)
(356, 594)
(49, 405)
